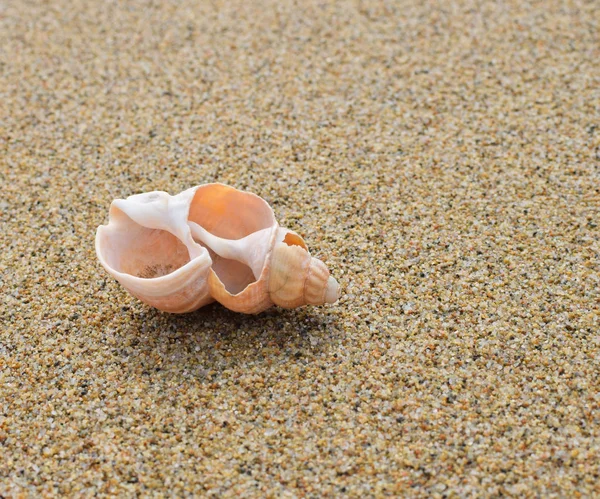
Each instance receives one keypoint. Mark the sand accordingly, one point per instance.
(443, 158)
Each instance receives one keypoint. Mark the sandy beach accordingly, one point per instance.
(442, 158)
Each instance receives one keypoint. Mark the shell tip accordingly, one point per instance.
(332, 291)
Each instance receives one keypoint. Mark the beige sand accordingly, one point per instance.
(443, 158)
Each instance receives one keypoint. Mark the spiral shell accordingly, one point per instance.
(210, 242)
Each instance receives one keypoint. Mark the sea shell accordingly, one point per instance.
(210, 242)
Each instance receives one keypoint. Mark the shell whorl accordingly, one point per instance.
(319, 286)
(298, 279)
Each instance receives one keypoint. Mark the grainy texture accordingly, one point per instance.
(443, 157)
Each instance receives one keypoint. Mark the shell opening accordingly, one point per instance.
(161, 257)
(230, 224)
(142, 252)
(234, 275)
(292, 239)
(229, 213)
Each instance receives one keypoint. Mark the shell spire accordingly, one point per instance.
(210, 242)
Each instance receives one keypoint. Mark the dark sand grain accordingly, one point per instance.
(444, 158)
